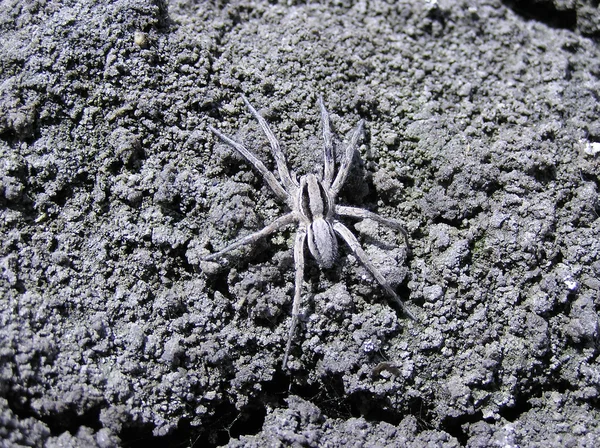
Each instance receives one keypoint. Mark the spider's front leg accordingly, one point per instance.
(342, 174)
(329, 162)
(256, 163)
(288, 182)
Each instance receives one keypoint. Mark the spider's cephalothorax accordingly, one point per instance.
(313, 208)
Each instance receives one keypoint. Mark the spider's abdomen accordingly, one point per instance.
(322, 242)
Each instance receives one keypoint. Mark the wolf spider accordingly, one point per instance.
(312, 201)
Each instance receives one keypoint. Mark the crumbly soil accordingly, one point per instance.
(482, 136)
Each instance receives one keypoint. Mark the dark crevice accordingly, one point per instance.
(60, 421)
(226, 423)
(248, 422)
(218, 283)
(456, 223)
(521, 407)
(546, 12)
(455, 426)
(543, 174)
(329, 396)
(179, 255)
(140, 435)
(371, 409)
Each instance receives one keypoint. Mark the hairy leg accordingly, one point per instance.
(347, 161)
(260, 167)
(282, 168)
(249, 239)
(351, 240)
(361, 213)
(299, 262)
(329, 161)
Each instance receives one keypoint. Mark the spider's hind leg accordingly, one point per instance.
(299, 262)
(249, 239)
(351, 240)
(361, 213)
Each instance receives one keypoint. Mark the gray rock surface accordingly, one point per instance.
(482, 121)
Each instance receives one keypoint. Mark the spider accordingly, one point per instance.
(312, 201)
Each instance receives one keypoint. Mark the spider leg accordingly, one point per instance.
(284, 173)
(249, 239)
(361, 213)
(260, 167)
(329, 166)
(299, 262)
(351, 240)
(347, 161)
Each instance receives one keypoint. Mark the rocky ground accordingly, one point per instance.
(482, 136)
